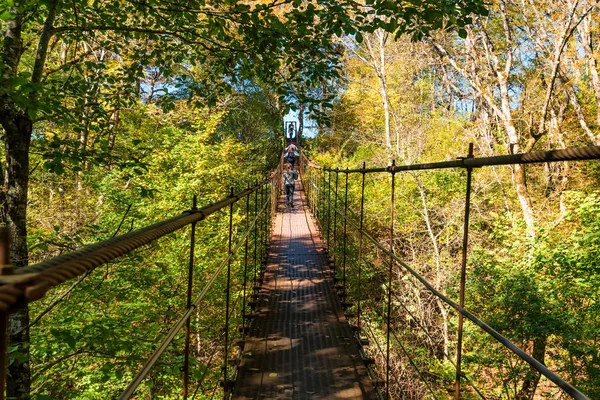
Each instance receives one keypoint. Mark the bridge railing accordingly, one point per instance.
(344, 233)
(257, 203)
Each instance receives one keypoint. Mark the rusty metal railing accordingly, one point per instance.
(22, 286)
(317, 181)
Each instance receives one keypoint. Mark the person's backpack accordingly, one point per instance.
(288, 178)
(291, 157)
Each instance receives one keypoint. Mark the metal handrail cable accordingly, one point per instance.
(179, 324)
(33, 281)
(571, 154)
(504, 341)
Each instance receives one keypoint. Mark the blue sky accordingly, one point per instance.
(310, 128)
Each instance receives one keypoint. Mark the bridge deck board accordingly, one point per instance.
(300, 345)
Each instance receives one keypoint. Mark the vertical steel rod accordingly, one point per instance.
(275, 183)
(335, 223)
(186, 355)
(245, 266)
(390, 271)
(281, 168)
(315, 192)
(267, 217)
(227, 295)
(463, 277)
(270, 200)
(255, 236)
(328, 210)
(306, 186)
(269, 208)
(345, 231)
(322, 206)
(360, 246)
(260, 226)
(265, 220)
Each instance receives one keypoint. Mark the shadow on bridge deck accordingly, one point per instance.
(300, 344)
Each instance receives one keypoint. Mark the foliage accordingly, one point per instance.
(532, 277)
(98, 337)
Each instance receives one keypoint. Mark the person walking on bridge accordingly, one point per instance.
(290, 153)
(289, 183)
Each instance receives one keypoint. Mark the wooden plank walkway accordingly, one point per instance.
(300, 345)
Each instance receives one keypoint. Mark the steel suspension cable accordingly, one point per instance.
(469, 381)
(571, 390)
(179, 324)
(32, 282)
(380, 350)
(410, 360)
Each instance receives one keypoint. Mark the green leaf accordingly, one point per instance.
(6, 16)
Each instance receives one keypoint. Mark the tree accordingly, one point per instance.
(488, 65)
(234, 41)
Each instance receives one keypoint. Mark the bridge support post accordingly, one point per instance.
(320, 205)
(269, 220)
(255, 236)
(265, 222)
(463, 276)
(315, 180)
(360, 248)
(390, 272)
(186, 355)
(320, 195)
(245, 266)
(260, 225)
(334, 247)
(322, 208)
(345, 232)
(226, 385)
(266, 228)
(328, 207)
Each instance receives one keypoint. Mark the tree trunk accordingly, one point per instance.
(532, 378)
(18, 134)
(17, 129)
(17, 124)
(377, 54)
(505, 114)
(438, 264)
(518, 171)
(381, 75)
(586, 39)
(595, 139)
